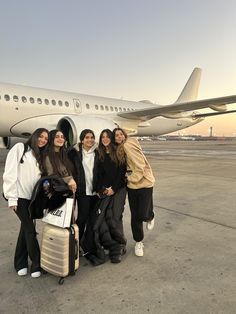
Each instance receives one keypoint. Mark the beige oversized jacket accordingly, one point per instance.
(141, 176)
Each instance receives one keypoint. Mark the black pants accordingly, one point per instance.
(27, 243)
(117, 212)
(85, 207)
(141, 208)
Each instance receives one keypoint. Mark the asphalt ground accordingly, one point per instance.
(189, 258)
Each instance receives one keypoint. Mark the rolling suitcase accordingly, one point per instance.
(59, 250)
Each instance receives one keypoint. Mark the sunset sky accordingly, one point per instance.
(130, 49)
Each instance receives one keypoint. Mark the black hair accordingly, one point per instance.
(111, 147)
(57, 158)
(32, 143)
(83, 134)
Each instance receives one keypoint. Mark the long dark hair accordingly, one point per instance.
(57, 158)
(111, 147)
(83, 134)
(32, 143)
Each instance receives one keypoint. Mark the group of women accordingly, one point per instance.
(93, 172)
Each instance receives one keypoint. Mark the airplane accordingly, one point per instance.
(23, 109)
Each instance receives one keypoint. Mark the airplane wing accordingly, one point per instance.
(217, 104)
(209, 114)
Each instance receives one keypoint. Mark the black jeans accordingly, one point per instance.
(86, 205)
(117, 213)
(141, 208)
(27, 243)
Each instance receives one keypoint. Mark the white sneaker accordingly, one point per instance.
(150, 224)
(36, 274)
(22, 272)
(138, 249)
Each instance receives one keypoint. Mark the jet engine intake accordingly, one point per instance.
(72, 126)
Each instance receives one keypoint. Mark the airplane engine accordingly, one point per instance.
(72, 126)
(9, 142)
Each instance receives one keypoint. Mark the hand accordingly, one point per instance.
(109, 191)
(14, 208)
(72, 185)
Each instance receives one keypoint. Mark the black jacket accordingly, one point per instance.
(101, 233)
(110, 175)
(58, 190)
(76, 157)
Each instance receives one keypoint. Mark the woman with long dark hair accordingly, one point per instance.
(111, 182)
(140, 182)
(56, 160)
(23, 169)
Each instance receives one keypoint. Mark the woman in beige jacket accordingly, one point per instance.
(140, 182)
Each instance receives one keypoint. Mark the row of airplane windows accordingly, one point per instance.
(38, 100)
(60, 103)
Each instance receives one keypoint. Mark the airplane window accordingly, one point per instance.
(116, 109)
(124, 109)
(106, 107)
(96, 107)
(15, 98)
(46, 101)
(23, 98)
(54, 102)
(111, 108)
(87, 106)
(120, 109)
(31, 100)
(39, 100)
(66, 104)
(7, 97)
(101, 107)
(60, 103)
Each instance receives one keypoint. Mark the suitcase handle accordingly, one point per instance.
(73, 210)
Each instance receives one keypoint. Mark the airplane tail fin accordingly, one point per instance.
(190, 90)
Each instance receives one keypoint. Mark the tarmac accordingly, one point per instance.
(189, 258)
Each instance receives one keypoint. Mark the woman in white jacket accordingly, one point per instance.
(22, 170)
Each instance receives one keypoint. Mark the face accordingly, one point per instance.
(88, 141)
(105, 139)
(119, 137)
(42, 139)
(59, 139)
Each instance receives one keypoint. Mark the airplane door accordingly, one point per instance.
(77, 105)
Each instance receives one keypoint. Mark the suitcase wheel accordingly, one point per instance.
(61, 281)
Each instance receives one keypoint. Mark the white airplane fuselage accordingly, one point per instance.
(23, 109)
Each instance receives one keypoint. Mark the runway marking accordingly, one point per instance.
(196, 217)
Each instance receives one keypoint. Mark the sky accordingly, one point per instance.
(129, 49)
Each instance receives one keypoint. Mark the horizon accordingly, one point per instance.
(131, 50)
